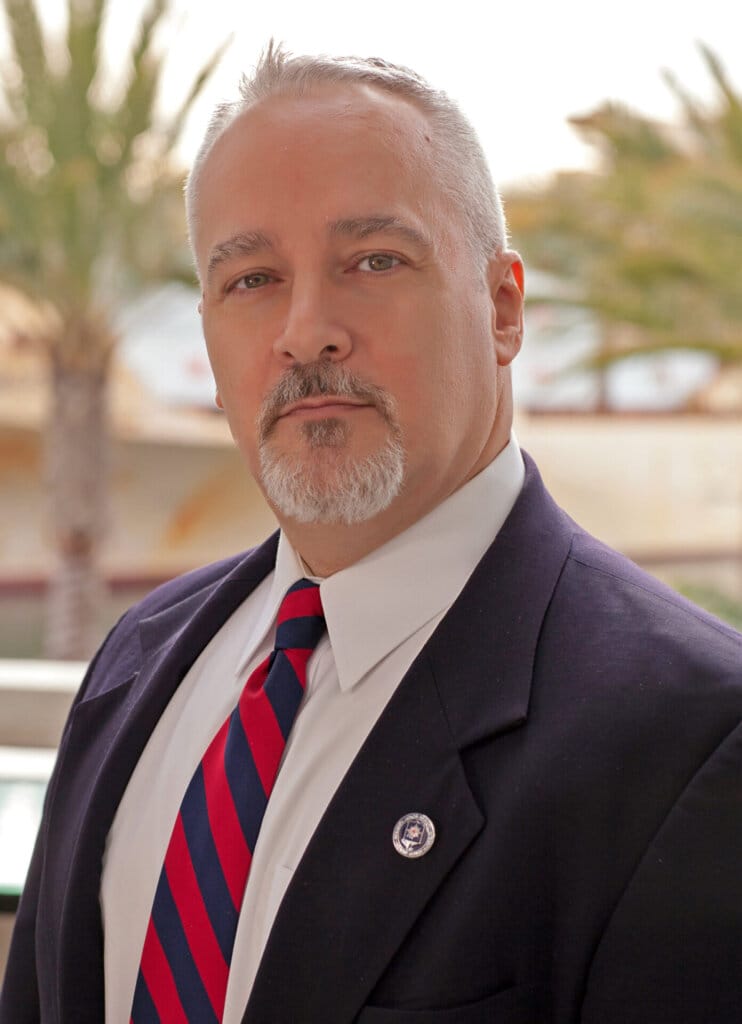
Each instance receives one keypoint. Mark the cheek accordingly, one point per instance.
(237, 373)
(459, 373)
(238, 392)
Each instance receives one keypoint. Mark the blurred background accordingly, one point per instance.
(615, 132)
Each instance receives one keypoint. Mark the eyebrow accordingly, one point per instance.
(362, 227)
(245, 243)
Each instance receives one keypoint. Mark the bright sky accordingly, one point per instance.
(518, 69)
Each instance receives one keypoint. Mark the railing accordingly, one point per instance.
(35, 697)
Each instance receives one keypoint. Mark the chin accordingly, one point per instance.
(328, 485)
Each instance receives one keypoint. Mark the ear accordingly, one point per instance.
(217, 396)
(506, 280)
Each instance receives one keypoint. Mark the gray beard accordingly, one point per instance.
(326, 485)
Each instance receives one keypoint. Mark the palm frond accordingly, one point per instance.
(135, 111)
(649, 246)
(171, 135)
(27, 40)
(84, 212)
(693, 113)
(84, 25)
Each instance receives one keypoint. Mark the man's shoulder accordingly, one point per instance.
(601, 592)
(174, 602)
(632, 607)
(185, 586)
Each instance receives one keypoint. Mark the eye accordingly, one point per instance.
(378, 262)
(251, 281)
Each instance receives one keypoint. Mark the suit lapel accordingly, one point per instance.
(353, 899)
(106, 736)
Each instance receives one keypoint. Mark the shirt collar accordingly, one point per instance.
(374, 605)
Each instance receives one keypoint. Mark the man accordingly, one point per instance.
(512, 788)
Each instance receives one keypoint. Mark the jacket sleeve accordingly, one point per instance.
(672, 950)
(20, 998)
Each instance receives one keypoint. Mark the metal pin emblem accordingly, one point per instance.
(413, 835)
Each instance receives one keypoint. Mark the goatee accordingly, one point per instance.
(327, 485)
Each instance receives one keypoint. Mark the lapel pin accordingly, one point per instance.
(413, 835)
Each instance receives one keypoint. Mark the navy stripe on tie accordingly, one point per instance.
(143, 1010)
(205, 859)
(303, 632)
(247, 791)
(303, 584)
(284, 691)
(170, 932)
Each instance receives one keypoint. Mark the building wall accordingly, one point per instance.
(173, 506)
(656, 487)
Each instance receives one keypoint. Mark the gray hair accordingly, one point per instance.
(464, 174)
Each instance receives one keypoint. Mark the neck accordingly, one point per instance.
(326, 548)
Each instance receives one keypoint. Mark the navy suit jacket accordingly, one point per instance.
(573, 730)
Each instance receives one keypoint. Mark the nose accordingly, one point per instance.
(313, 328)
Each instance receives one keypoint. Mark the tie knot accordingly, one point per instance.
(301, 621)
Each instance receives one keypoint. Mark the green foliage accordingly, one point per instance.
(715, 601)
(89, 199)
(651, 242)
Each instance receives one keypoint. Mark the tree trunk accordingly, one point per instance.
(76, 460)
(607, 345)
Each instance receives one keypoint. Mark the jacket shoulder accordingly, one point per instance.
(121, 648)
(180, 588)
(625, 602)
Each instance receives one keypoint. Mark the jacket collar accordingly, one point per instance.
(214, 602)
(491, 632)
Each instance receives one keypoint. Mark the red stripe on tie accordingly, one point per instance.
(232, 850)
(159, 980)
(300, 603)
(257, 678)
(299, 656)
(263, 735)
(194, 917)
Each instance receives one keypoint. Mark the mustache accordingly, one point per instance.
(308, 380)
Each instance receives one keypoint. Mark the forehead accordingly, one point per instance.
(331, 119)
(345, 106)
(317, 155)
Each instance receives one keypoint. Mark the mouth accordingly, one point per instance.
(322, 406)
(309, 393)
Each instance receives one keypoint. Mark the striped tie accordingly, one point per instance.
(188, 945)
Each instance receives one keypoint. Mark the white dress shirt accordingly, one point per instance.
(379, 612)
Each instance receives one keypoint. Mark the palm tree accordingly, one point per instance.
(650, 243)
(89, 205)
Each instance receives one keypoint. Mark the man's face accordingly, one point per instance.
(344, 314)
